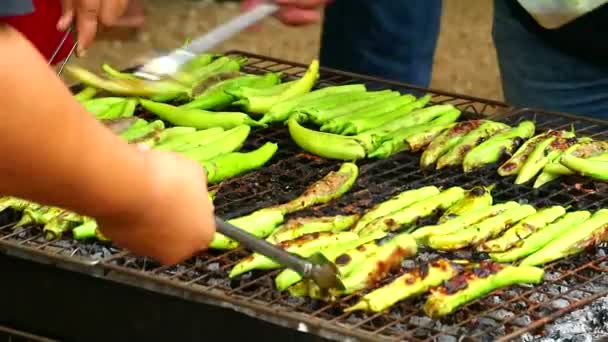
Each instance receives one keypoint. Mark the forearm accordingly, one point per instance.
(53, 151)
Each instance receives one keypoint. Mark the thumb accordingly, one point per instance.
(67, 15)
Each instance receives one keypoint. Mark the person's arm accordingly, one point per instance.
(54, 152)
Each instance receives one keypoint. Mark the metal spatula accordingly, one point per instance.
(167, 65)
(322, 271)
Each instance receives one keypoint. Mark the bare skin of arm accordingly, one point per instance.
(54, 152)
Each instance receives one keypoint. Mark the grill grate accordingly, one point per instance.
(506, 314)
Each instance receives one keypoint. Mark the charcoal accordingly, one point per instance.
(445, 338)
(296, 301)
(523, 320)
(421, 321)
(538, 297)
(213, 267)
(560, 304)
(500, 314)
(408, 264)
(552, 275)
(484, 321)
(464, 255)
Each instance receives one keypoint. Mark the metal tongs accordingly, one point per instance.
(316, 267)
(67, 33)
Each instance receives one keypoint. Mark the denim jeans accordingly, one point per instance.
(562, 70)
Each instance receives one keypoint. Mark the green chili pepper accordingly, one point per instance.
(117, 126)
(115, 74)
(60, 224)
(415, 136)
(481, 231)
(457, 153)
(14, 203)
(113, 111)
(85, 94)
(129, 108)
(593, 168)
(515, 163)
(411, 284)
(198, 74)
(317, 108)
(88, 230)
(297, 227)
(446, 140)
(262, 104)
(326, 145)
(134, 134)
(233, 164)
(586, 149)
(304, 246)
(323, 116)
(260, 224)
(339, 124)
(177, 131)
(410, 214)
(346, 257)
(225, 142)
(196, 118)
(479, 197)
(132, 87)
(217, 97)
(99, 105)
(502, 144)
(573, 241)
(523, 229)
(194, 139)
(541, 237)
(400, 201)
(281, 110)
(330, 187)
(478, 282)
(245, 92)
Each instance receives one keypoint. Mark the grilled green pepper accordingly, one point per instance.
(227, 142)
(326, 145)
(515, 163)
(587, 149)
(408, 215)
(414, 137)
(411, 284)
(346, 257)
(88, 230)
(463, 221)
(323, 116)
(339, 124)
(412, 110)
(134, 134)
(542, 154)
(446, 140)
(280, 111)
(593, 168)
(14, 203)
(297, 227)
(260, 224)
(196, 73)
(61, 224)
(262, 104)
(478, 282)
(541, 237)
(190, 140)
(233, 164)
(415, 118)
(481, 231)
(493, 149)
(573, 241)
(85, 94)
(458, 152)
(523, 229)
(400, 201)
(318, 110)
(477, 198)
(303, 246)
(330, 187)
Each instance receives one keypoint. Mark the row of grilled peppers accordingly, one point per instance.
(367, 248)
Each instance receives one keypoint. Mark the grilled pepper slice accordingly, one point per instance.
(332, 186)
(415, 136)
(463, 221)
(481, 231)
(502, 144)
(541, 237)
(593, 168)
(280, 112)
(411, 284)
(542, 154)
(262, 104)
(400, 201)
(233, 164)
(477, 198)
(457, 153)
(446, 140)
(573, 241)
(478, 282)
(408, 215)
(346, 257)
(515, 163)
(260, 224)
(523, 229)
(326, 145)
(304, 246)
(297, 227)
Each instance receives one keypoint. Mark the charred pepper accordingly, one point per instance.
(541, 237)
(481, 231)
(479, 197)
(478, 282)
(297, 227)
(446, 140)
(514, 164)
(523, 229)
(596, 168)
(260, 224)
(587, 234)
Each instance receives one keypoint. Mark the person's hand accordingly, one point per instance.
(87, 15)
(294, 12)
(175, 220)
